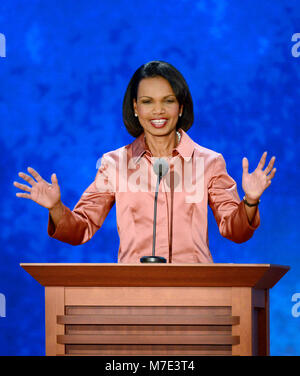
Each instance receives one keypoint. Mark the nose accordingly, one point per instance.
(158, 108)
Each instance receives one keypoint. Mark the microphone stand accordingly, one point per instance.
(153, 258)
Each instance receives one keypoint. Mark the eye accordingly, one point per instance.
(146, 101)
(170, 101)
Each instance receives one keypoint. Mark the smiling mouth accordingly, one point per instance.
(159, 123)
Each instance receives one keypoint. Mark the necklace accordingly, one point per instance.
(178, 138)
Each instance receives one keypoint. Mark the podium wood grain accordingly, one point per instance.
(169, 309)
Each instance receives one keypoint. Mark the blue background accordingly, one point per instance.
(62, 83)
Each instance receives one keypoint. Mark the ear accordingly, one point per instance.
(134, 105)
(181, 109)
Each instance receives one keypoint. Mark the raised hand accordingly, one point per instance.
(40, 191)
(254, 184)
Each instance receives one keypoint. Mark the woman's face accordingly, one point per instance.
(156, 106)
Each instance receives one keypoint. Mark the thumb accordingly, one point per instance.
(245, 165)
(54, 179)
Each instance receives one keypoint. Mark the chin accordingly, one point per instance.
(160, 131)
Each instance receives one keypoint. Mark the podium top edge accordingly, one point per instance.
(159, 264)
(116, 275)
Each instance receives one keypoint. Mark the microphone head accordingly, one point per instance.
(164, 166)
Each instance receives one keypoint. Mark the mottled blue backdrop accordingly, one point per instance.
(62, 83)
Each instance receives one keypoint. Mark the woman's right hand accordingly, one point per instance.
(40, 191)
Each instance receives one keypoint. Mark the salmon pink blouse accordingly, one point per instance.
(197, 177)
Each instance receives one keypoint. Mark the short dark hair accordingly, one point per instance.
(178, 84)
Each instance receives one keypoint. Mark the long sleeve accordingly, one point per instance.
(79, 225)
(228, 209)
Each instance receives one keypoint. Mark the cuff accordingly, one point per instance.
(53, 231)
(256, 219)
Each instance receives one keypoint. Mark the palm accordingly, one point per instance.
(254, 184)
(41, 192)
(45, 194)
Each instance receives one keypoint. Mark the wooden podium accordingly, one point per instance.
(163, 309)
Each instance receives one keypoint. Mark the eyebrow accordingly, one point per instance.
(166, 96)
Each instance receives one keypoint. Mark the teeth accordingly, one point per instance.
(159, 121)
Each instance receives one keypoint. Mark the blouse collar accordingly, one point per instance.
(185, 147)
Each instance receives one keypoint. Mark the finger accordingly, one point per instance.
(262, 161)
(272, 174)
(27, 178)
(22, 186)
(54, 179)
(24, 195)
(270, 166)
(245, 165)
(34, 173)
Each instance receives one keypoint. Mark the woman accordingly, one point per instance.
(158, 111)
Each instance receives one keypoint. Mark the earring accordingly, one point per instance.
(180, 115)
(135, 115)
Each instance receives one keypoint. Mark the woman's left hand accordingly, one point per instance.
(254, 184)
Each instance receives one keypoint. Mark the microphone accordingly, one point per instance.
(161, 168)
